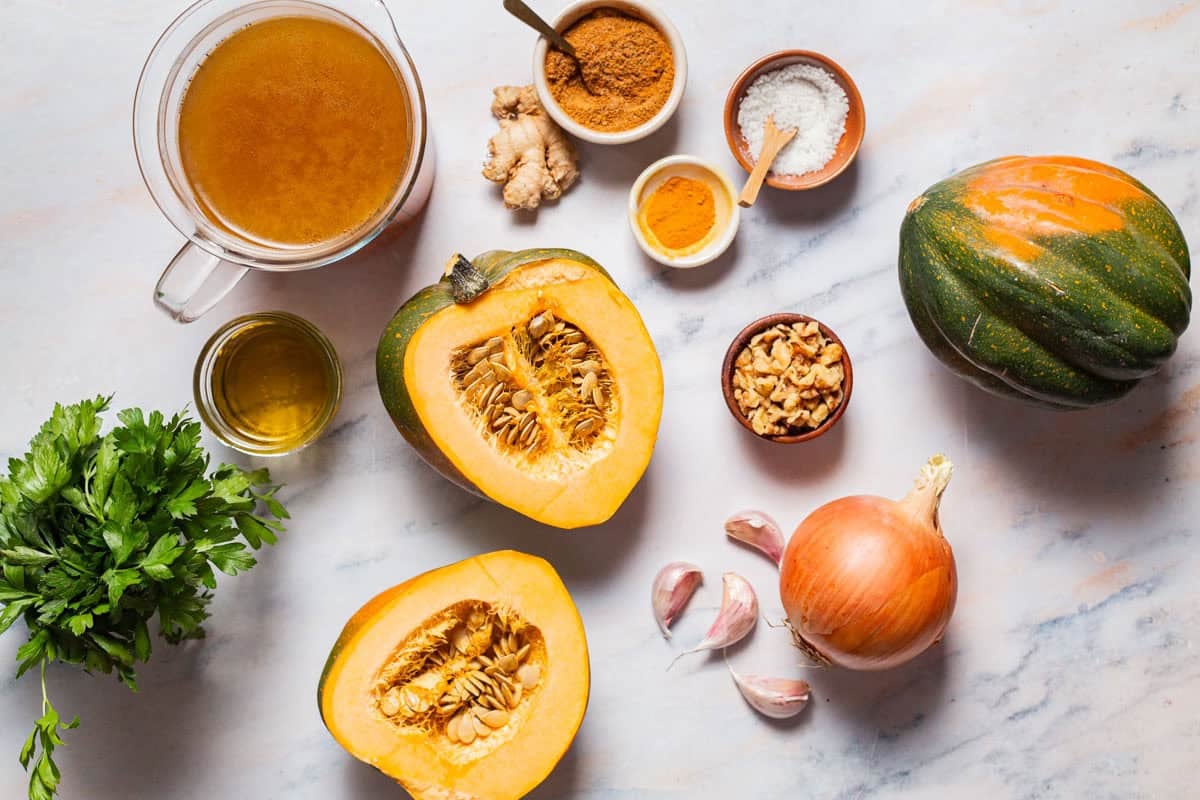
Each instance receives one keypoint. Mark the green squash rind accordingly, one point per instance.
(393, 344)
(1018, 332)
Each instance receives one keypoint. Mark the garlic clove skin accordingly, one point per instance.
(673, 586)
(777, 698)
(739, 613)
(759, 531)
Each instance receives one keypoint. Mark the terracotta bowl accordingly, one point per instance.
(739, 343)
(847, 149)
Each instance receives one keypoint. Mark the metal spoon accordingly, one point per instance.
(530, 17)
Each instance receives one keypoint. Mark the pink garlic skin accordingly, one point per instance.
(777, 698)
(673, 586)
(739, 612)
(759, 531)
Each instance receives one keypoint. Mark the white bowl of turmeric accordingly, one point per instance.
(629, 76)
(683, 211)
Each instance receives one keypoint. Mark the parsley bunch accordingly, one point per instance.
(99, 534)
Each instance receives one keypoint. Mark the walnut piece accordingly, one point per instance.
(788, 379)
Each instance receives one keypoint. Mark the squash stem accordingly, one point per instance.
(466, 282)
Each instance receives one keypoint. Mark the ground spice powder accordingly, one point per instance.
(628, 71)
(680, 212)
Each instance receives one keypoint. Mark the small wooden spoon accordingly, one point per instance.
(773, 141)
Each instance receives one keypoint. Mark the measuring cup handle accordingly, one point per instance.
(194, 282)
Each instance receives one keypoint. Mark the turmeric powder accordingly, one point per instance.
(680, 212)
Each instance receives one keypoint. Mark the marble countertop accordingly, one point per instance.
(1071, 668)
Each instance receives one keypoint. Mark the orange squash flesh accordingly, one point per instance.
(514, 759)
(567, 491)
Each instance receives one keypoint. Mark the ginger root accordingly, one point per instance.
(530, 155)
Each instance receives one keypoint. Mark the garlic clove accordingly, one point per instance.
(739, 612)
(777, 698)
(673, 587)
(759, 531)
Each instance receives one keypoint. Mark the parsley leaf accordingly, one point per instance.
(101, 534)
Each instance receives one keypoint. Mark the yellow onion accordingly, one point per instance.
(869, 583)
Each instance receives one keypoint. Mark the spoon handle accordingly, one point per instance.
(531, 18)
(773, 142)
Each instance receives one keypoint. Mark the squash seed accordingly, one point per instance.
(588, 385)
(522, 399)
(493, 394)
(585, 427)
(390, 703)
(481, 730)
(529, 675)
(529, 431)
(478, 354)
(496, 718)
(539, 326)
(466, 731)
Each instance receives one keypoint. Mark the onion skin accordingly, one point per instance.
(870, 583)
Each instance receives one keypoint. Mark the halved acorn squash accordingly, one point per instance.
(528, 378)
(468, 682)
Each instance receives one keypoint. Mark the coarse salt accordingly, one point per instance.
(800, 96)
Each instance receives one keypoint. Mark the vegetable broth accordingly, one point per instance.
(294, 131)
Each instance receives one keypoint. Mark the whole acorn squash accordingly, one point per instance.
(528, 378)
(1056, 280)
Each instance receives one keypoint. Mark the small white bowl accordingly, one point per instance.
(634, 8)
(729, 213)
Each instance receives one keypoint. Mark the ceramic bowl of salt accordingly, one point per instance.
(801, 89)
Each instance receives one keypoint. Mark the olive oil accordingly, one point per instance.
(268, 383)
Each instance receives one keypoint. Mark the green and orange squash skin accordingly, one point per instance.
(1055, 280)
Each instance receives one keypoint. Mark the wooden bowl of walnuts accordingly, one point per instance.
(787, 378)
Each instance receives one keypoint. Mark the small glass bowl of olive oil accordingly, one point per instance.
(268, 384)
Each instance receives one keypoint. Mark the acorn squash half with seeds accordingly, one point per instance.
(468, 682)
(529, 378)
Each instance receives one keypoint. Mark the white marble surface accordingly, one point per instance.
(1071, 668)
